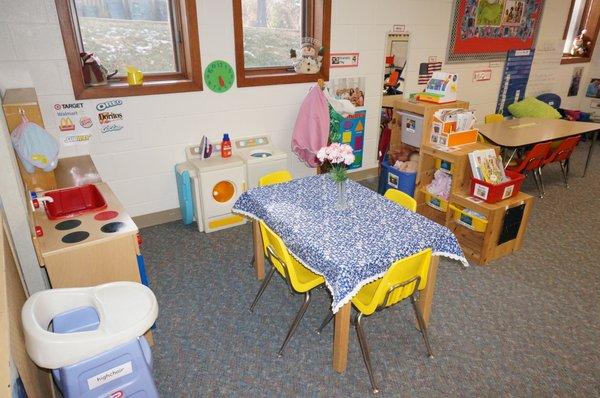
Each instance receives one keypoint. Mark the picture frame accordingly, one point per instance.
(485, 30)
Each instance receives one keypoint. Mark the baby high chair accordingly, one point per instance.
(95, 347)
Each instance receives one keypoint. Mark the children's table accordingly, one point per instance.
(514, 133)
(350, 247)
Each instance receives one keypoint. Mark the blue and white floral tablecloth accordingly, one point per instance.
(352, 247)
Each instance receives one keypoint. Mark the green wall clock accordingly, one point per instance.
(219, 76)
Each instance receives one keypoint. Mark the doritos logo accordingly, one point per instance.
(107, 117)
(66, 124)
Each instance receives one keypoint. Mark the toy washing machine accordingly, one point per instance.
(260, 156)
(216, 185)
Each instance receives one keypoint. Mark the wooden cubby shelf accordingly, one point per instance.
(479, 246)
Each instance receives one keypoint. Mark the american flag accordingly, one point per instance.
(426, 70)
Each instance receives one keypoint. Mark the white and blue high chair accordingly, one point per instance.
(96, 347)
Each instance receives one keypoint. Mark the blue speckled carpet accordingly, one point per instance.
(527, 325)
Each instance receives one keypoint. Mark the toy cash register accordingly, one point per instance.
(441, 88)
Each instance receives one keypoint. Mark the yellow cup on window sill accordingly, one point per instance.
(135, 77)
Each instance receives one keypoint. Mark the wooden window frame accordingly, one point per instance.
(318, 15)
(189, 78)
(591, 21)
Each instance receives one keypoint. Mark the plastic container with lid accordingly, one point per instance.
(226, 146)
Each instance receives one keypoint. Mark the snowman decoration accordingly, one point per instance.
(580, 45)
(309, 61)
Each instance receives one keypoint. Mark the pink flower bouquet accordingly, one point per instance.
(339, 156)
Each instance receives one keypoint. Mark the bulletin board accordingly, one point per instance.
(487, 29)
(515, 79)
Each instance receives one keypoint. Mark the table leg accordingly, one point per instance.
(426, 295)
(259, 255)
(340, 338)
(590, 151)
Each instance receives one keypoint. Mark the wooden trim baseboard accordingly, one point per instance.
(364, 174)
(161, 217)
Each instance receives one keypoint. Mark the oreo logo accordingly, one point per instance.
(108, 104)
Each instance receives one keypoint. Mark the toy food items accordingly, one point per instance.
(34, 146)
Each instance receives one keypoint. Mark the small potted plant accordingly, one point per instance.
(339, 157)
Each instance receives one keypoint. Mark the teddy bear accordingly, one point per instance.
(580, 45)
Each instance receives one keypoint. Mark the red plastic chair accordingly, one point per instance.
(561, 154)
(533, 161)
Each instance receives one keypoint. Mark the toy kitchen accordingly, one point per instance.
(81, 232)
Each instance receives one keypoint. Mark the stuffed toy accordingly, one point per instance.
(309, 61)
(94, 74)
(580, 44)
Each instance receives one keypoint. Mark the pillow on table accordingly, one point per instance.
(533, 107)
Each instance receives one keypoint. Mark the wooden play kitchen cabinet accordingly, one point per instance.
(85, 237)
(483, 239)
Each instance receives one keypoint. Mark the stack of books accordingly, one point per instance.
(487, 166)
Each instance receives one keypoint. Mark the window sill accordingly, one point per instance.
(255, 78)
(150, 87)
(572, 59)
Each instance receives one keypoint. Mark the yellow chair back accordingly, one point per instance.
(276, 177)
(300, 278)
(401, 198)
(398, 283)
(493, 118)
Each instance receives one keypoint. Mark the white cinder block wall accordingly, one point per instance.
(140, 167)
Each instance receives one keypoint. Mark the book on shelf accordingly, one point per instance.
(487, 166)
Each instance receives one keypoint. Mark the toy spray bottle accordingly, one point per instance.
(226, 146)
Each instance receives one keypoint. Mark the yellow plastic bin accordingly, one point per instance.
(477, 224)
(437, 202)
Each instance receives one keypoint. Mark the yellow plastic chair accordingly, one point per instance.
(276, 177)
(403, 280)
(299, 278)
(401, 198)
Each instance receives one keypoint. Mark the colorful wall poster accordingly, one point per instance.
(352, 132)
(514, 80)
(74, 123)
(486, 29)
(593, 89)
(575, 81)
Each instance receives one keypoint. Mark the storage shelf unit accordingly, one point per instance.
(479, 246)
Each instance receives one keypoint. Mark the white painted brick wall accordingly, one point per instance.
(140, 168)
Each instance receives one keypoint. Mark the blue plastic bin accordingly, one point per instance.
(391, 177)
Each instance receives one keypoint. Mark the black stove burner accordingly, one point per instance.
(68, 224)
(112, 227)
(75, 237)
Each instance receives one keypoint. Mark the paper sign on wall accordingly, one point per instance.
(111, 120)
(344, 60)
(74, 123)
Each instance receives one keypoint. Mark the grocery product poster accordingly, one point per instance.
(75, 123)
(111, 120)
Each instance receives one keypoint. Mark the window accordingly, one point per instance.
(583, 14)
(266, 31)
(159, 37)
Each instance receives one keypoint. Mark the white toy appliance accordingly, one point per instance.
(260, 156)
(216, 185)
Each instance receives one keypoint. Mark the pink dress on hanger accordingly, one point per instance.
(311, 131)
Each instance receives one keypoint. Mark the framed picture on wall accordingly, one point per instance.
(485, 30)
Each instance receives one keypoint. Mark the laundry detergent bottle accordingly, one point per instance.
(226, 146)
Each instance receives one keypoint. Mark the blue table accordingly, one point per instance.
(350, 248)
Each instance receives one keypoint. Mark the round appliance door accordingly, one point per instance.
(220, 189)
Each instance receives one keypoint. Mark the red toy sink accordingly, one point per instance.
(70, 202)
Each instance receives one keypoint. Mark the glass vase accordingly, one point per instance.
(342, 198)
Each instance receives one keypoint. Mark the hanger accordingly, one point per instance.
(321, 84)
